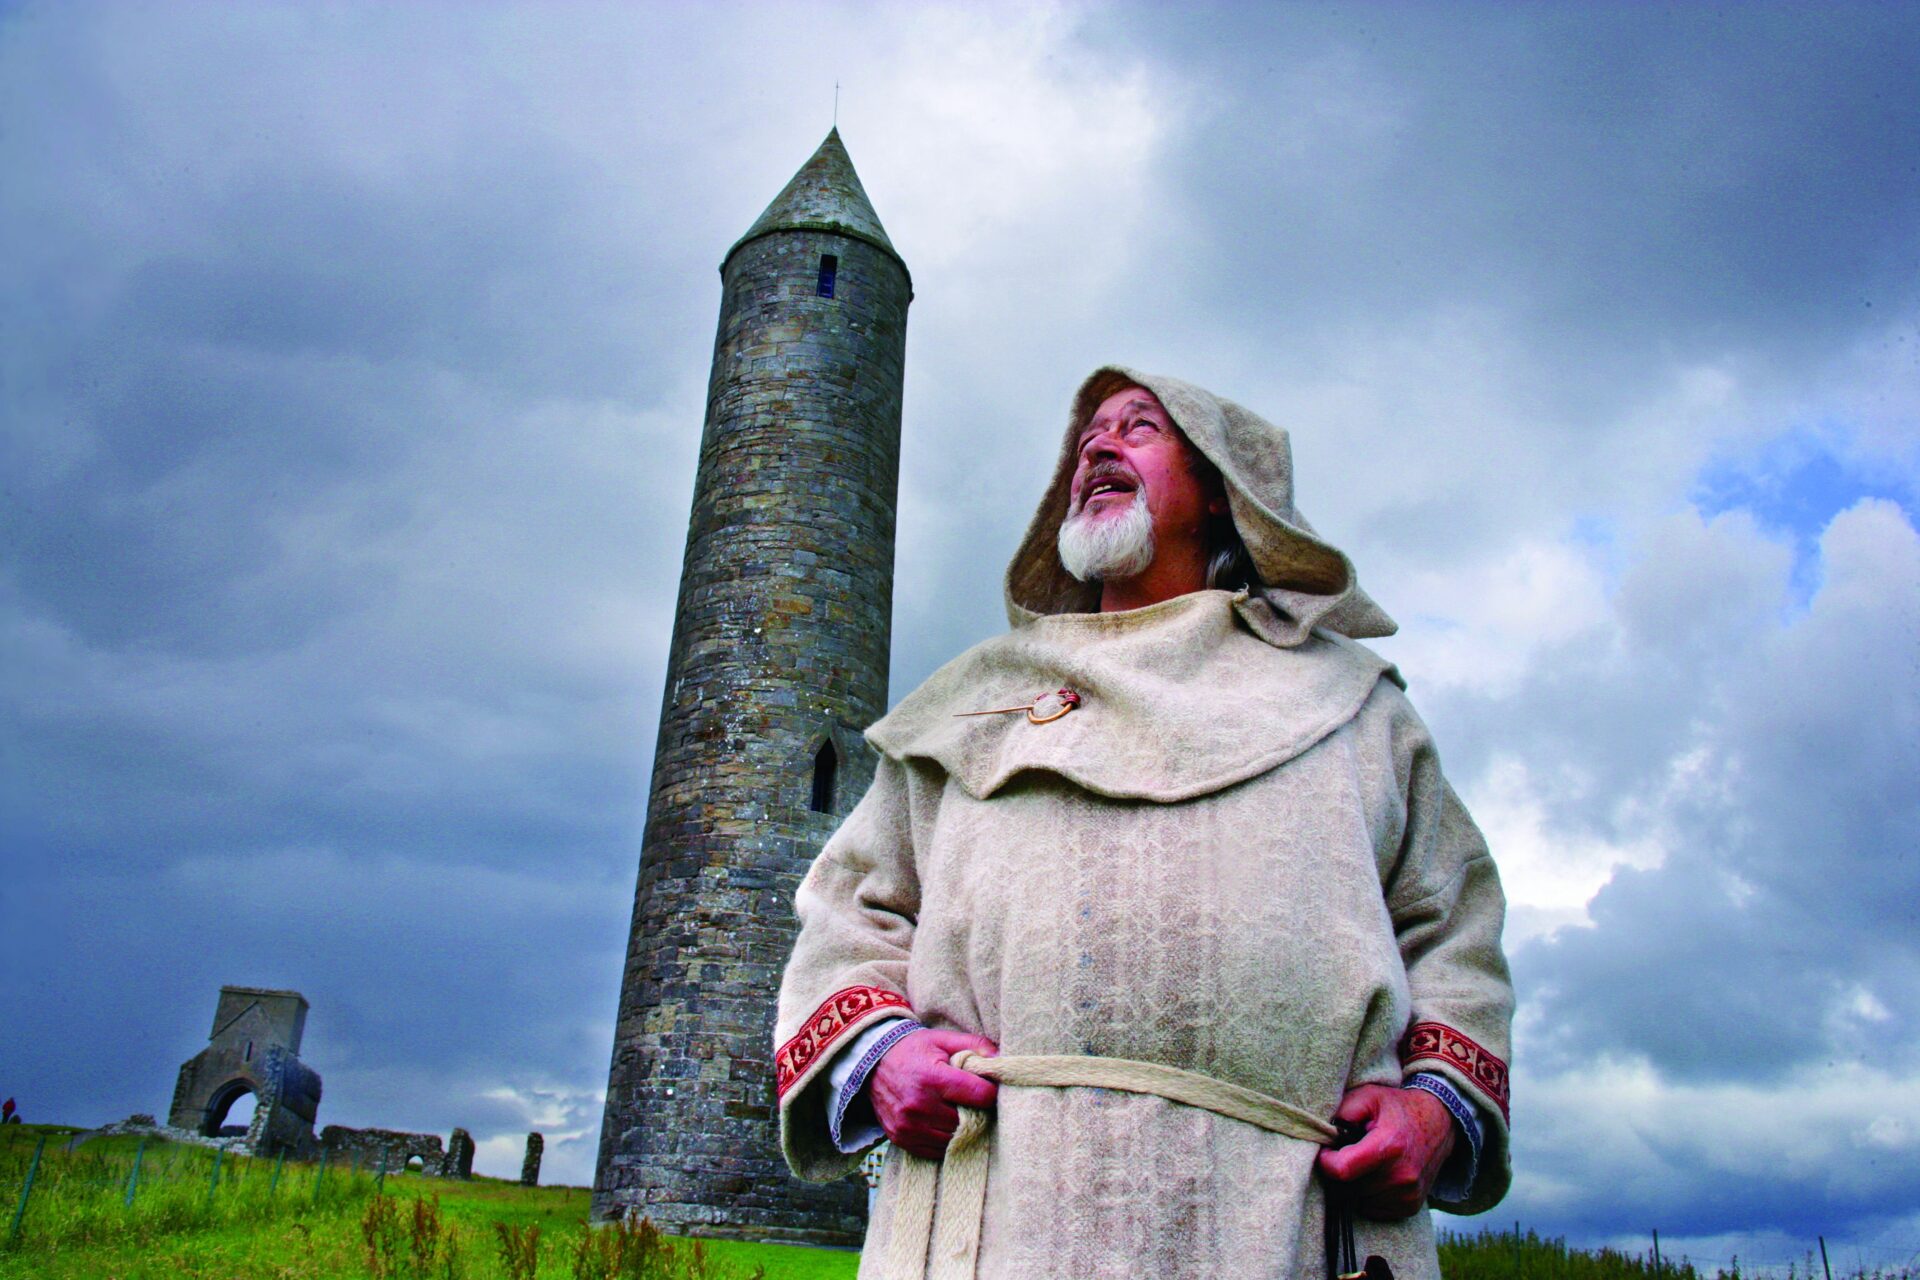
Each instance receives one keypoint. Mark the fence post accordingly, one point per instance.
(380, 1177)
(273, 1183)
(33, 1168)
(1656, 1251)
(213, 1179)
(319, 1176)
(133, 1175)
(1823, 1257)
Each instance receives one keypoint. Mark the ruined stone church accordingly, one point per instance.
(778, 661)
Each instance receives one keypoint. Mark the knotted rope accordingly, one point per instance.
(960, 1178)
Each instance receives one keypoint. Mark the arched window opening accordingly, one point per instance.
(829, 268)
(416, 1165)
(230, 1114)
(826, 763)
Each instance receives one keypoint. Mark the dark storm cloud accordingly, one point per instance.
(1796, 1204)
(427, 987)
(298, 435)
(1619, 175)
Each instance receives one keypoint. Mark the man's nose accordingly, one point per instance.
(1101, 444)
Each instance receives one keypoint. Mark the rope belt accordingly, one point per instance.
(960, 1179)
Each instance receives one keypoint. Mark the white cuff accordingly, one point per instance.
(856, 1135)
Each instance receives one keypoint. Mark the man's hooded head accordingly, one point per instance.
(1300, 582)
(1143, 506)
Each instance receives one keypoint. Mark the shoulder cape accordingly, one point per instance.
(1177, 700)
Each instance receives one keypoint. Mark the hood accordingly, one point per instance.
(1305, 582)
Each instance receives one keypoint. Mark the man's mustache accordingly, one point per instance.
(1108, 470)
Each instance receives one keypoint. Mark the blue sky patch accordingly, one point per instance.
(1796, 484)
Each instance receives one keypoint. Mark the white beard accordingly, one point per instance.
(1112, 546)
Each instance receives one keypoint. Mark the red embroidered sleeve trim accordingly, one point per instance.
(1433, 1041)
(828, 1023)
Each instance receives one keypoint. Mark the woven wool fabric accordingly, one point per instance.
(1236, 856)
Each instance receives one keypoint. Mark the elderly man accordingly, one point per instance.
(1151, 898)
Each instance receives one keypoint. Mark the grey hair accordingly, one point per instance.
(1230, 565)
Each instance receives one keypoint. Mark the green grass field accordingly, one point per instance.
(310, 1224)
(249, 1222)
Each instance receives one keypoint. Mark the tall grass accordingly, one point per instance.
(81, 1197)
(1511, 1255)
(418, 1244)
(635, 1250)
(519, 1246)
(414, 1243)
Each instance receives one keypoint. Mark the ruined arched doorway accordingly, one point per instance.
(249, 1080)
(230, 1110)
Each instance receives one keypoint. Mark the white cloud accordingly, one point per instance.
(1726, 1014)
(1010, 141)
(1549, 874)
(1621, 1123)
(1481, 627)
(1874, 389)
(568, 1121)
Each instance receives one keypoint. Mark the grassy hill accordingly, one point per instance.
(193, 1214)
(269, 1220)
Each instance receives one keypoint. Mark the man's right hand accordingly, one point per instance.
(915, 1089)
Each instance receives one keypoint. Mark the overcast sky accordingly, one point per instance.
(352, 364)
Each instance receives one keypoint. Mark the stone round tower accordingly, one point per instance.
(779, 660)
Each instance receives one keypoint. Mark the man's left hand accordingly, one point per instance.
(1409, 1136)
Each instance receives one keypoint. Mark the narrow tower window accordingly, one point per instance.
(825, 764)
(829, 267)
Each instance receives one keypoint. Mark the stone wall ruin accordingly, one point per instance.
(368, 1147)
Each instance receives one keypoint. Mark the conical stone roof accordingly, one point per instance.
(825, 195)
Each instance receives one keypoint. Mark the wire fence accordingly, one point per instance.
(128, 1186)
(1496, 1254)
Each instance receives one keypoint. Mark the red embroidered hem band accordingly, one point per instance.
(1436, 1042)
(828, 1023)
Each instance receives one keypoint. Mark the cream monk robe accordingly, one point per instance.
(1234, 855)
